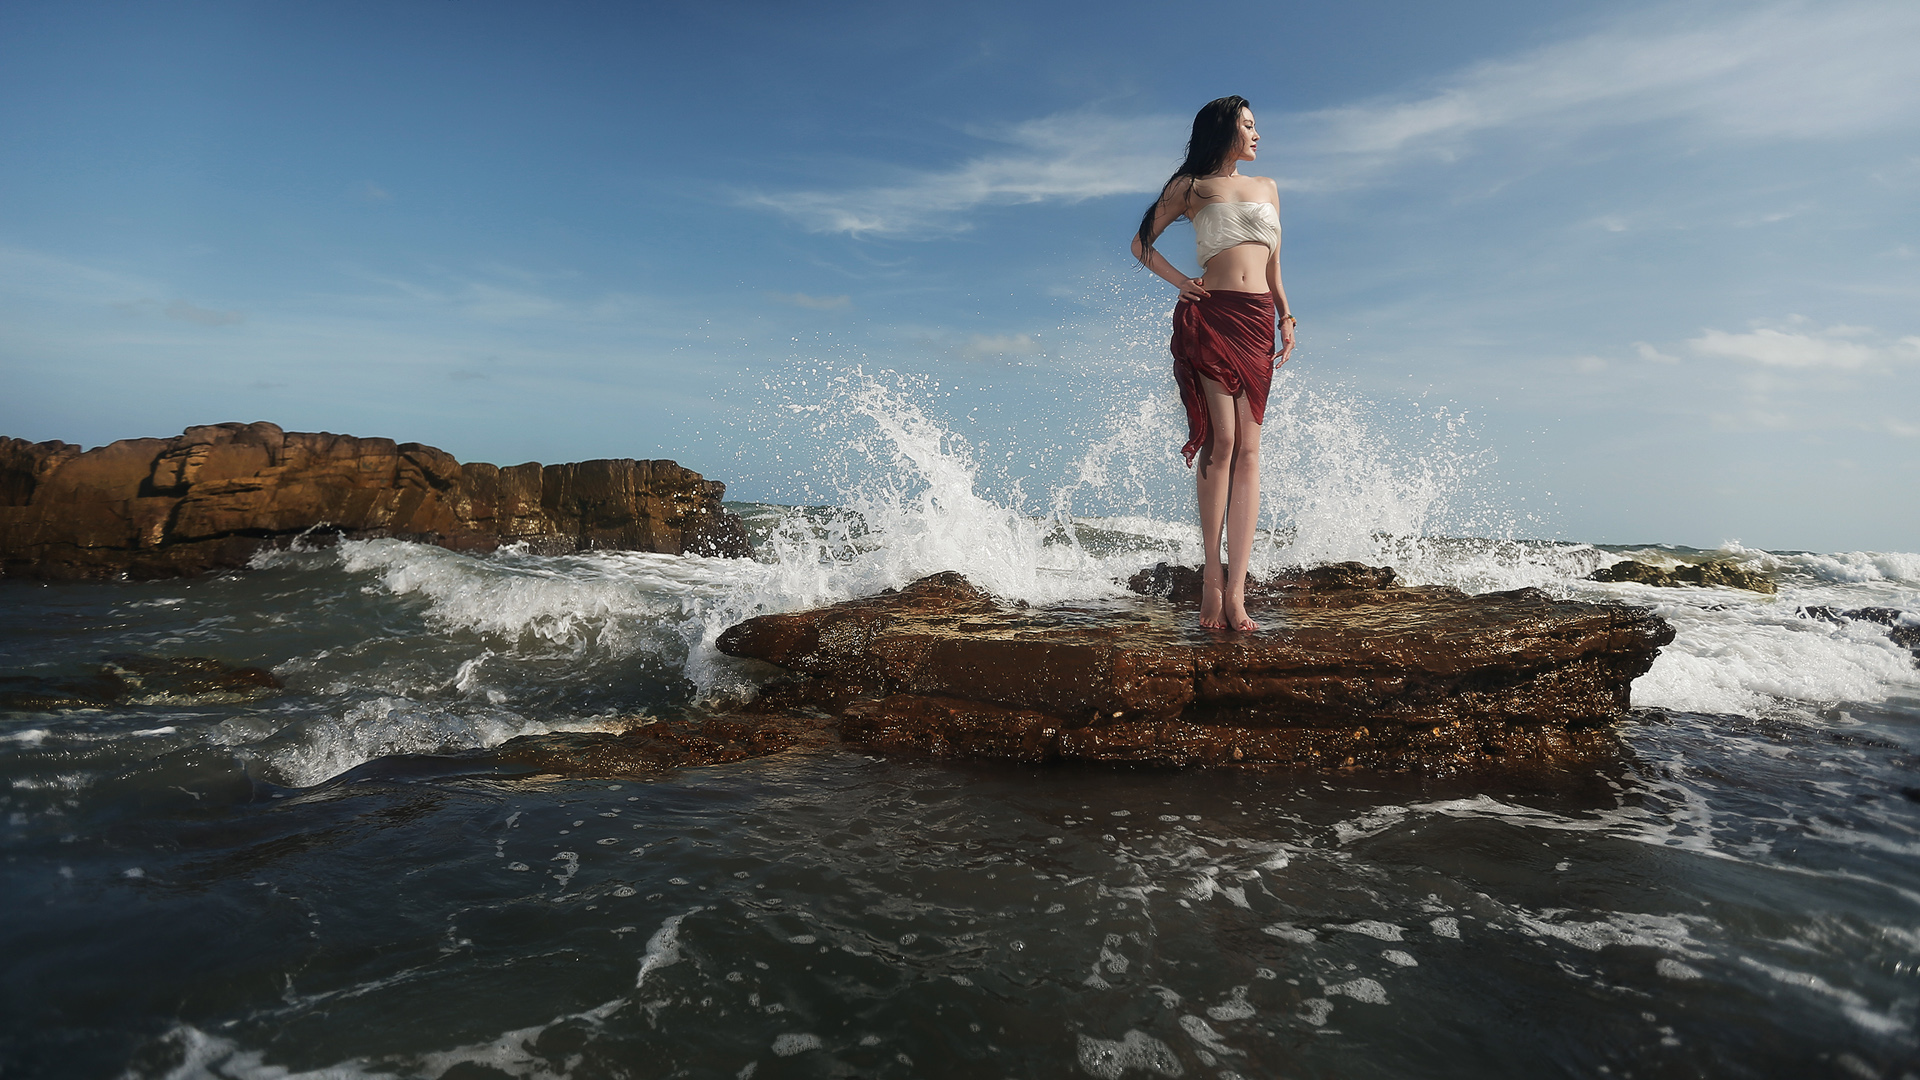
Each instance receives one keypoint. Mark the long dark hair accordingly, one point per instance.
(1216, 127)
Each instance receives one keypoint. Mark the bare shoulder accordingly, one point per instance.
(1240, 189)
(1177, 197)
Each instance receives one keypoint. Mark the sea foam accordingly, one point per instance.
(898, 492)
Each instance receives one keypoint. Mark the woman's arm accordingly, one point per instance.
(1169, 207)
(1280, 305)
(1283, 310)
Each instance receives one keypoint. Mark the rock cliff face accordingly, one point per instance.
(1347, 672)
(212, 497)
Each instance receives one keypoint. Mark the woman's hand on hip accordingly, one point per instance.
(1191, 289)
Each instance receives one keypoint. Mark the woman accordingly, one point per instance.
(1223, 331)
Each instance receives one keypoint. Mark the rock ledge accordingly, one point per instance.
(1349, 670)
(210, 498)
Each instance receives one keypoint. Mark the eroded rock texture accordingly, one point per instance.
(1352, 672)
(1730, 574)
(657, 745)
(210, 498)
(1181, 584)
(136, 679)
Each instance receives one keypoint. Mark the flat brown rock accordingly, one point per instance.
(210, 498)
(1342, 673)
(652, 746)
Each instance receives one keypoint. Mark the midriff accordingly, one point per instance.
(1240, 268)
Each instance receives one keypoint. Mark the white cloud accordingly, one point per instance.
(817, 303)
(500, 294)
(1899, 177)
(1759, 418)
(186, 312)
(1837, 347)
(494, 303)
(1649, 353)
(491, 296)
(1784, 71)
(44, 277)
(1067, 157)
(1001, 345)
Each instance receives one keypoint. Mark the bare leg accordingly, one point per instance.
(1243, 514)
(1213, 475)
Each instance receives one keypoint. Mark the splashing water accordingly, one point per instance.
(1340, 480)
(898, 494)
(891, 490)
(834, 902)
(909, 504)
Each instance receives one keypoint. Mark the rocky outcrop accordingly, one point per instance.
(212, 497)
(1900, 630)
(1730, 574)
(654, 745)
(135, 679)
(1181, 584)
(1348, 671)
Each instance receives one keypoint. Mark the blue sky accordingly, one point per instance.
(1665, 258)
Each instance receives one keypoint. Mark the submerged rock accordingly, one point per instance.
(651, 745)
(1345, 672)
(132, 679)
(1906, 635)
(212, 497)
(1730, 574)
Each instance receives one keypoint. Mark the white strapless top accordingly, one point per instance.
(1219, 226)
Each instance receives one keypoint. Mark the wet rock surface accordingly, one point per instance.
(1904, 634)
(1348, 670)
(132, 679)
(209, 499)
(1181, 584)
(1731, 575)
(657, 745)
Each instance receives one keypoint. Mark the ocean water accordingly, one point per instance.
(337, 880)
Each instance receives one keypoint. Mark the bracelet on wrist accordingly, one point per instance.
(1288, 317)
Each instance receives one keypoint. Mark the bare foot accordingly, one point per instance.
(1234, 613)
(1213, 598)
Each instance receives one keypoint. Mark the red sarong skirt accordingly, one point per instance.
(1228, 337)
